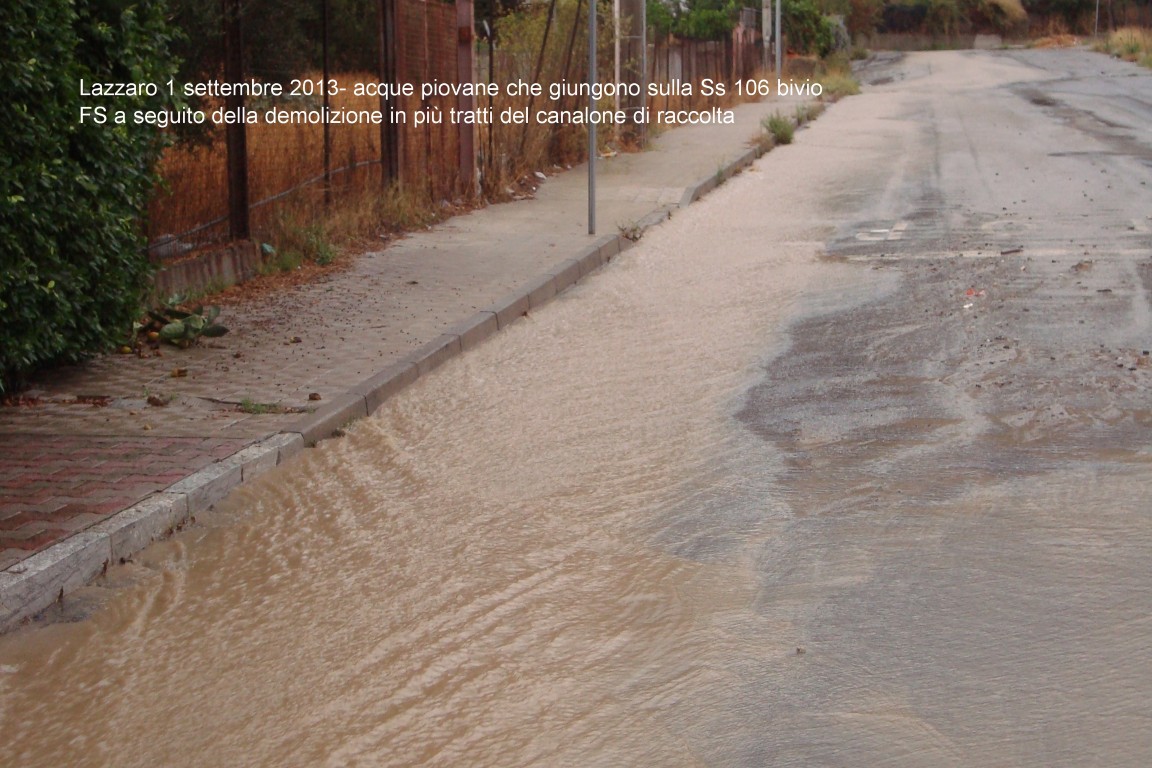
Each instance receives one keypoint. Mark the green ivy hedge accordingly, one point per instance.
(72, 193)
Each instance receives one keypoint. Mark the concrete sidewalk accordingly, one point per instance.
(92, 472)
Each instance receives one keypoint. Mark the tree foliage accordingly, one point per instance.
(72, 267)
(692, 20)
(806, 29)
(282, 38)
(952, 17)
(863, 16)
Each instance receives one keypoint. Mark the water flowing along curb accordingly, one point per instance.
(38, 582)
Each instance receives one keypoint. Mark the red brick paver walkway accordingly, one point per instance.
(52, 486)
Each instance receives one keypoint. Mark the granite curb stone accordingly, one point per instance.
(333, 415)
(207, 486)
(475, 329)
(510, 308)
(725, 172)
(376, 389)
(565, 274)
(540, 291)
(35, 584)
(435, 353)
(138, 526)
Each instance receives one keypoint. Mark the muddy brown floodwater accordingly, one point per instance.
(762, 492)
(475, 575)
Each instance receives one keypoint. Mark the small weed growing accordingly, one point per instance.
(780, 128)
(837, 86)
(807, 112)
(253, 408)
(835, 75)
(632, 231)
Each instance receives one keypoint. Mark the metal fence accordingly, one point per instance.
(694, 60)
(232, 181)
(237, 181)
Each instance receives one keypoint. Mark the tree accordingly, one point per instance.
(806, 29)
(692, 19)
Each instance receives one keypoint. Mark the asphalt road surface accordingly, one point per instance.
(969, 457)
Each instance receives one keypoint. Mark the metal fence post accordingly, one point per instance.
(591, 125)
(236, 132)
(386, 65)
(327, 103)
(466, 73)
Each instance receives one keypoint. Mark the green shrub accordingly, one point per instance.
(704, 24)
(945, 17)
(72, 268)
(806, 29)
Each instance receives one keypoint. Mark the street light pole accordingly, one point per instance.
(779, 41)
(591, 124)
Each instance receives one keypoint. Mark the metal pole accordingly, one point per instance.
(386, 66)
(779, 41)
(616, 52)
(765, 29)
(591, 125)
(466, 73)
(490, 158)
(642, 29)
(327, 103)
(236, 133)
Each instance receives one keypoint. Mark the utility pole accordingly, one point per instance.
(324, 18)
(765, 30)
(779, 41)
(466, 73)
(616, 53)
(591, 125)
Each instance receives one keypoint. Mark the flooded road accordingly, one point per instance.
(764, 491)
(478, 575)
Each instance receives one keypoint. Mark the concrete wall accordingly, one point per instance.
(208, 270)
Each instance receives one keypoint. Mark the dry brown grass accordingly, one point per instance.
(1130, 44)
(1056, 41)
(280, 158)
